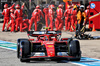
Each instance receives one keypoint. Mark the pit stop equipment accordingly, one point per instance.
(94, 16)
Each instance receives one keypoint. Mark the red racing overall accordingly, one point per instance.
(19, 19)
(51, 17)
(45, 10)
(12, 22)
(40, 13)
(6, 13)
(25, 24)
(59, 21)
(34, 17)
(67, 19)
(74, 18)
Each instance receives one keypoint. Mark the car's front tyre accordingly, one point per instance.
(74, 50)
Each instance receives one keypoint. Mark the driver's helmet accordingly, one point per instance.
(47, 38)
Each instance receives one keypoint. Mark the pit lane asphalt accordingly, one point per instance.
(9, 58)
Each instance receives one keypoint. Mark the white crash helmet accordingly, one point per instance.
(82, 7)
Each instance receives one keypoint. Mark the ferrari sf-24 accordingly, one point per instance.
(47, 45)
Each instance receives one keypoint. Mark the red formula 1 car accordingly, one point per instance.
(48, 45)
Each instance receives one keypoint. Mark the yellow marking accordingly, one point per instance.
(50, 45)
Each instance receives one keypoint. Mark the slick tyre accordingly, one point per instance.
(25, 45)
(74, 50)
(18, 47)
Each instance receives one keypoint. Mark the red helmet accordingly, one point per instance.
(6, 6)
(37, 7)
(60, 6)
(52, 6)
(11, 10)
(17, 6)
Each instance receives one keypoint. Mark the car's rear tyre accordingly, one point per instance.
(18, 47)
(74, 50)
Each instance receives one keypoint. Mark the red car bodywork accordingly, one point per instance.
(49, 43)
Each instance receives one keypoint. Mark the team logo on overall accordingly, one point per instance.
(5, 11)
(18, 11)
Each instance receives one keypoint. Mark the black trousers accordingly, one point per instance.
(78, 28)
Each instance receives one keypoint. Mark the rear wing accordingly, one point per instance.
(37, 33)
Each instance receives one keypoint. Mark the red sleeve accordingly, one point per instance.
(15, 13)
(32, 14)
(11, 6)
(65, 13)
(3, 12)
(22, 7)
(12, 15)
(41, 13)
(34, 10)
